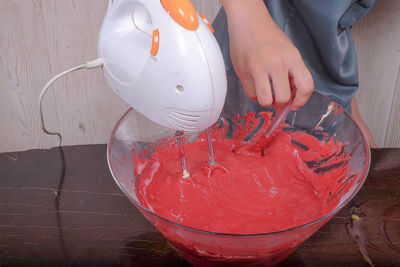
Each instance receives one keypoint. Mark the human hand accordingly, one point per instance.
(263, 55)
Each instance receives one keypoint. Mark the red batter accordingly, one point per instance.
(293, 180)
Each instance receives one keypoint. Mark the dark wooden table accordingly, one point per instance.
(70, 212)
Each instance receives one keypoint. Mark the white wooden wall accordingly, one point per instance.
(39, 38)
(377, 39)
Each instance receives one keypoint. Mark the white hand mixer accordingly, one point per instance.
(161, 57)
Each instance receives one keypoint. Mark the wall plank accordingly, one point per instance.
(377, 39)
(393, 129)
(81, 106)
(39, 40)
(209, 8)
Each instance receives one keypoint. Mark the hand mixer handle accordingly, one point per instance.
(149, 16)
(183, 12)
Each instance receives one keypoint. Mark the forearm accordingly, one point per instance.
(238, 11)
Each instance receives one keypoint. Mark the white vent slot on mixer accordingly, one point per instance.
(182, 120)
(185, 117)
(181, 126)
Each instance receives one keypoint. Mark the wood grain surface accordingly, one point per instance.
(392, 138)
(66, 210)
(40, 38)
(377, 39)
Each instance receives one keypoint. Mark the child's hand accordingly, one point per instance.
(262, 54)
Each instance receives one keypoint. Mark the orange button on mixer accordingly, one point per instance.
(183, 12)
(207, 22)
(156, 42)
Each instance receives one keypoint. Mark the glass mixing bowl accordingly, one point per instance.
(201, 248)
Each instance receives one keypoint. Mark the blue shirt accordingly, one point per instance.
(320, 29)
